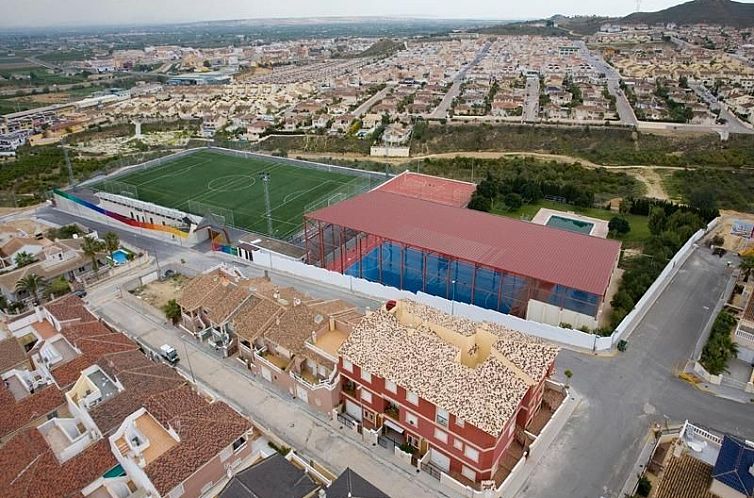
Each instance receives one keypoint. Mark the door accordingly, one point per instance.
(302, 394)
(353, 410)
(439, 460)
(266, 375)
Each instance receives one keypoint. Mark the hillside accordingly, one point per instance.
(722, 12)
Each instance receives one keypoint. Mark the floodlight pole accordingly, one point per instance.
(266, 181)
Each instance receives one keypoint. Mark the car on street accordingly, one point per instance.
(169, 354)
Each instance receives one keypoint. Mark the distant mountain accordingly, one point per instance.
(722, 12)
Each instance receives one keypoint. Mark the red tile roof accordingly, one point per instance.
(16, 414)
(11, 354)
(141, 379)
(204, 433)
(29, 468)
(574, 260)
(69, 308)
(95, 341)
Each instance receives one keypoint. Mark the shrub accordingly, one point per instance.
(644, 487)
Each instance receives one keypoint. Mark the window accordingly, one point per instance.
(52, 415)
(458, 444)
(347, 365)
(391, 386)
(366, 395)
(441, 436)
(369, 415)
(441, 417)
(412, 440)
(460, 422)
(412, 419)
(468, 473)
(366, 375)
(239, 443)
(471, 453)
(412, 398)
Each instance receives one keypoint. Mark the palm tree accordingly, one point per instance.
(91, 248)
(112, 242)
(31, 283)
(24, 259)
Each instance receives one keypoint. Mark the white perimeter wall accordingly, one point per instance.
(553, 333)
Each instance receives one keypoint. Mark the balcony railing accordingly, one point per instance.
(392, 412)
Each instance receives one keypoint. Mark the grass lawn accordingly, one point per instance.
(234, 184)
(638, 235)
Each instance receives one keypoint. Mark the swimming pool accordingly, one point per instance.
(570, 224)
(120, 257)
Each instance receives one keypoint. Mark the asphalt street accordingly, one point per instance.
(623, 396)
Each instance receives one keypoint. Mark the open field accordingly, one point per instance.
(223, 183)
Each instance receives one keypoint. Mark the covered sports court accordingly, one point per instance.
(468, 256)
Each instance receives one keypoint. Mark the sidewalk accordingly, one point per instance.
(309, 433)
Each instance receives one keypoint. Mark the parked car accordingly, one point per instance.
(80, 293)
(169, 354)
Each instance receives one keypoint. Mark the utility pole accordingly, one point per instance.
(265, 176)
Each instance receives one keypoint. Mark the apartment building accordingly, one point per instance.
(455, 394)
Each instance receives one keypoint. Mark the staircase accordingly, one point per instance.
(122, 446)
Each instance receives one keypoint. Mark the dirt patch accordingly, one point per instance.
(159, 293)
(651, 180)
(733, 242)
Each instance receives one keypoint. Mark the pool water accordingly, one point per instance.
(570, 224)
(120, 257)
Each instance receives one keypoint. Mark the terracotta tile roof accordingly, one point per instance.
(11, 354)
(169, 404)
(29, 468)
(254, 316)
(418, 348)
(204, 432)
(686, 477)
(141, 379)
(95, 341)
(69, 308)
(16, 414)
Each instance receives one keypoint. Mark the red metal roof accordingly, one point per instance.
(557, 256)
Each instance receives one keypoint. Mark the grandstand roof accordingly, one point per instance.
(574, 260)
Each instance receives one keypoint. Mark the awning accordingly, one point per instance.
(397, 428)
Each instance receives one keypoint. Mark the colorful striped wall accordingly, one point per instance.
(119, 217)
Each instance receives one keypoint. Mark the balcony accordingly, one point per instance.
(275, 361)
(393, 412)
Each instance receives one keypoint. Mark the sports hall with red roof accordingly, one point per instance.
(399, 238)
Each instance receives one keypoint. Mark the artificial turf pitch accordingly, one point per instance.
(234, 183)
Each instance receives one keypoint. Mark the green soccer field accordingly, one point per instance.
(230, 183)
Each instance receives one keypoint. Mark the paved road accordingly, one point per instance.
(364, 108)
(531, 105)
(612, 76)
(732, 122)
(441, 112)
(310, 433)
(622, 396)
(626, 394)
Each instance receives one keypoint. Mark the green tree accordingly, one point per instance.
(92, 247)
(31, 283)
(513, 201)
(480, 203)
(112, 242)
(24, 259)
(58, 287)
(747, 264)
(172, 311)
(657, 220)
(619, 225)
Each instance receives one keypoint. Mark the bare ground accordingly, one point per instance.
(158, 293)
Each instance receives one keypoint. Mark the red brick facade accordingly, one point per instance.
(464, 445)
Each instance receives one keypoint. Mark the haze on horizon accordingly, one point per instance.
(52, 13)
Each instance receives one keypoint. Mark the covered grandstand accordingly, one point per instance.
(468, 256)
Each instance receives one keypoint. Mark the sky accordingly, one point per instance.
(42, 13)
